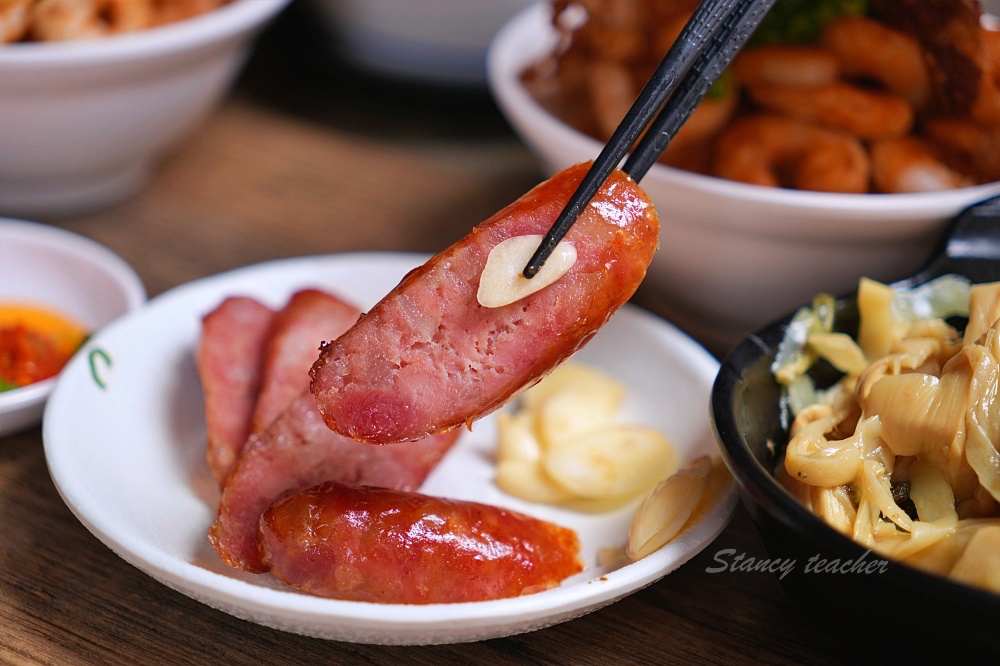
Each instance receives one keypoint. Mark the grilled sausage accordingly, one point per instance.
(299, 451)
(428, 357)
(372, 544)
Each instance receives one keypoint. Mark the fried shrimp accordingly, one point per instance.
(786, 64)
(868, 114)
(986, 105)
(81, 19)
(969, 143)
(14, 19)
(62, 20)
(690, 148)
(864, 72)
(171, 11)
(868, 49)
(614, 31)
(908, 164)
(948, 32)
(611, 90)
(784, 152)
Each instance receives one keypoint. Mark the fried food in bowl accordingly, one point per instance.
(96, 92)
(58, 20)
(738, 251)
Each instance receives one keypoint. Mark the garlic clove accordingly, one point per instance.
(612, 461)
(667, 509)
(527, 480)
(502, 282)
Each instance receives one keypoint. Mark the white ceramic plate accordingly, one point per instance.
(45, 266)
(128, 459)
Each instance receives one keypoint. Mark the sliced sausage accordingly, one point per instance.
(230, 347)
(428, 357)
(308, 318)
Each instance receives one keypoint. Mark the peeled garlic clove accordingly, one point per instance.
(517, 437)
(569, 414)
(502, 282)
(527, 480)
(572, 375)
(612, 461)
(667, 508)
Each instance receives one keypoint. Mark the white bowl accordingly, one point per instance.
(73, 275)
(83, 123)
(431, 41)
(732, 256)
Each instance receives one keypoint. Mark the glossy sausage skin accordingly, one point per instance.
(428, 357)
(385, 546)
(299, 451)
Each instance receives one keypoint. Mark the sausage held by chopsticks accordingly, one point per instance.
(429, 357)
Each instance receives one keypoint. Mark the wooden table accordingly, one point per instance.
(305, 157)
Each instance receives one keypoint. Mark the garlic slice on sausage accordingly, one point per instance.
(502, 282)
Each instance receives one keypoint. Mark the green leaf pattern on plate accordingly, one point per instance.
(98, 355)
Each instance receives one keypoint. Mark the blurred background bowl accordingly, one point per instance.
(734, 256)
(84, 123)
(430, 41)
(57, 270)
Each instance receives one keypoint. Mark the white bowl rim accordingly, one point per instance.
(68, 242)
(72, 242)
(522, 39)
(23, 397)
(231, 19)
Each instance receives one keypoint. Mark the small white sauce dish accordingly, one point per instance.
(62, 271)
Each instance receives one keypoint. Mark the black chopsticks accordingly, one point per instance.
(707, 44)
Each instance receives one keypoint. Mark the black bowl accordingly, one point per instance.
(834, 579)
